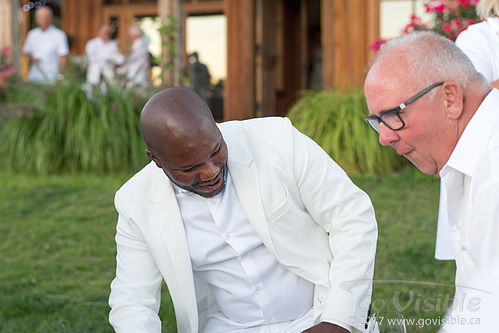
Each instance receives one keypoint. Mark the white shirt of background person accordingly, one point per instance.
(102, 56)
(47, 47)
(137, 61)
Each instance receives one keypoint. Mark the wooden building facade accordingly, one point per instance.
(275, 48)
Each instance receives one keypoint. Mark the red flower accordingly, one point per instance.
(376, 46)
(5, 49)
(440, 8)
(455, 23)
(470, 22)
(447, 27)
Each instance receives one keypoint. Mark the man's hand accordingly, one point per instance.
(325, 328)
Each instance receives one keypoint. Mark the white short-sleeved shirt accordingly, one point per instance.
(102, 57)
(47, 46)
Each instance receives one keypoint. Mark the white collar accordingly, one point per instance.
(465, 156)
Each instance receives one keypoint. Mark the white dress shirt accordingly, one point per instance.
(47, 46)
(253, 291)
(480, 315)
(102, 57)
(480, 42)
(471, 180)
(250, 287)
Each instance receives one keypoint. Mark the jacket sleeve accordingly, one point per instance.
(136, 289)
(345, 212)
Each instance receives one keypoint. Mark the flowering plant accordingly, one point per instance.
(6, 69)
(451, 17)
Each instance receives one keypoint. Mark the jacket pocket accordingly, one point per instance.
(280, 208)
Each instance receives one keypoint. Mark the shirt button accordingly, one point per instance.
(267, 320)
(458, 227)
(257, 288)
(243, 256)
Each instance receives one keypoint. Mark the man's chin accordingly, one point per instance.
(209, 191)
(425, 168)
(212, 193)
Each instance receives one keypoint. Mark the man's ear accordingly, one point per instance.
(453, 99)
(153, 158)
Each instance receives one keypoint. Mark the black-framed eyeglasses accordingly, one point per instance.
(391, 118)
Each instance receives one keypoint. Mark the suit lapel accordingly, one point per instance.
(247, 185)
(166, 215)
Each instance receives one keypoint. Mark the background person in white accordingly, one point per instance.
(102, 55)
(429, 103)
(137, 62)
(46, 48)
(252, 226)
(480, 42)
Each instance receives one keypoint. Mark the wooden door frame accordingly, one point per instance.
(126, 14)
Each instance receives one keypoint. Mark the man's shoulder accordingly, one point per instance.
(93, 41)
(34, 32)
(263, 139)
(475, 34)
(56, 32)
(258, 125)
(139, 182)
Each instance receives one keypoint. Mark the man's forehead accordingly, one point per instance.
(383, 93)
(195, 152)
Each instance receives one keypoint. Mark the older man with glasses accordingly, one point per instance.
(427, 101)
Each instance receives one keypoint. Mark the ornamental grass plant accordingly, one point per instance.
(335, 120)
(64, 131)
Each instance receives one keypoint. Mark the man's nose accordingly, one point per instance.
(386, 135)
(209, 171)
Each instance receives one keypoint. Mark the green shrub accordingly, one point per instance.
(66, 131)
(336, 122)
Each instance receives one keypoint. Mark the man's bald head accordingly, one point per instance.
(422, 58)
(43, 17)
(174, 114)
(184, 141)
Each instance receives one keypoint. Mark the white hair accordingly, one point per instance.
(488, 8)
(135, 30)
(47, 9)
(429, 57)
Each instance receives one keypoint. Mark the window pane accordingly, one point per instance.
(206, 45)
(396, 14)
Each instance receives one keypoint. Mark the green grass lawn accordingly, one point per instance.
(57, 251)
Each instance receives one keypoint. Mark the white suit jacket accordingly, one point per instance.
(306, 210)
